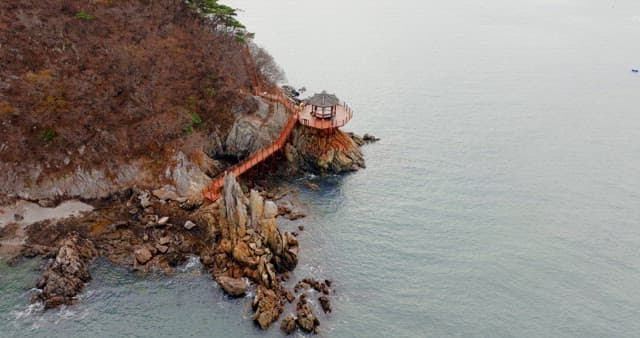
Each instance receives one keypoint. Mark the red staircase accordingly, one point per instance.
(212, 193)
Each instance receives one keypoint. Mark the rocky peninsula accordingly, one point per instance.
(109, 108)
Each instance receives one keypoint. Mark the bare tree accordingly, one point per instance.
(266, 64)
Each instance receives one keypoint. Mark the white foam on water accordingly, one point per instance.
(193, 264)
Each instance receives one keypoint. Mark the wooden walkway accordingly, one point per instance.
(213, 192)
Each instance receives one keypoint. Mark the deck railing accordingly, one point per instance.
(329, 123)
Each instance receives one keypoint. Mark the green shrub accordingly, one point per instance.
(48, 135)
(84, 16)
(196, 120)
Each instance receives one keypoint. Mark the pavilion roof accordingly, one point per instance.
(323, 99)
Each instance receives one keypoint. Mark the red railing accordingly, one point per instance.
(333, 123)
(213, 192)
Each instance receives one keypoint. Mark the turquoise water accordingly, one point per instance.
(503, 199)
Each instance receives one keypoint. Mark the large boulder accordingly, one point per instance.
(232, 286)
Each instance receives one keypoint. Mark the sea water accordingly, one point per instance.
(503, 199)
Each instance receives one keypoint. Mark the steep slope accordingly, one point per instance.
(96, 96)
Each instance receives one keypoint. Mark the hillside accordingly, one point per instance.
(99, 95)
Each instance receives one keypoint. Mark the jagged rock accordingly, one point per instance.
(310, 282)
(165, 240)
(368, 138)
(162, 248)
(233, 210)
(143, 255)
(266, 271)
(189, 173)
(145, 199)
(242, 254)
(189, 225)
(225, 246)
(232, 286)
(289, 296)
(254, 131)
(306, 320)
(313, 150)
(288, 324)
(167, 192)
(208, 216)
(289, 258)
(64, 278)
(270, 210)
(296, 215)
(325, 303)
(267, 305)
(271, 234)
(256, 207)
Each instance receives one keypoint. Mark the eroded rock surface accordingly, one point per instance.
(305, 317)
(251, 245)
(65, 277)
(316, 151)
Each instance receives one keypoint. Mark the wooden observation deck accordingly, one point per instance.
(342, 115)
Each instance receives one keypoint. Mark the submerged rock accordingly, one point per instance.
(325, 303)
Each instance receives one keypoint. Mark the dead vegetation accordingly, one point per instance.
(86, 84)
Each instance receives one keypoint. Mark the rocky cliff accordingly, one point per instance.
(323, 151)
(102, 95)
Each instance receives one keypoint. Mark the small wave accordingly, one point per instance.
(29, 311)
(193, 264)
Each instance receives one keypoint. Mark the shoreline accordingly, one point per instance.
(270, 298)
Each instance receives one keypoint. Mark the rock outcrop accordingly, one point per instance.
(251, 245)
(323, 152)
(254, 130)
(65, 277)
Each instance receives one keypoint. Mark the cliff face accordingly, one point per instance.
(322, 151)
(97, 96)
